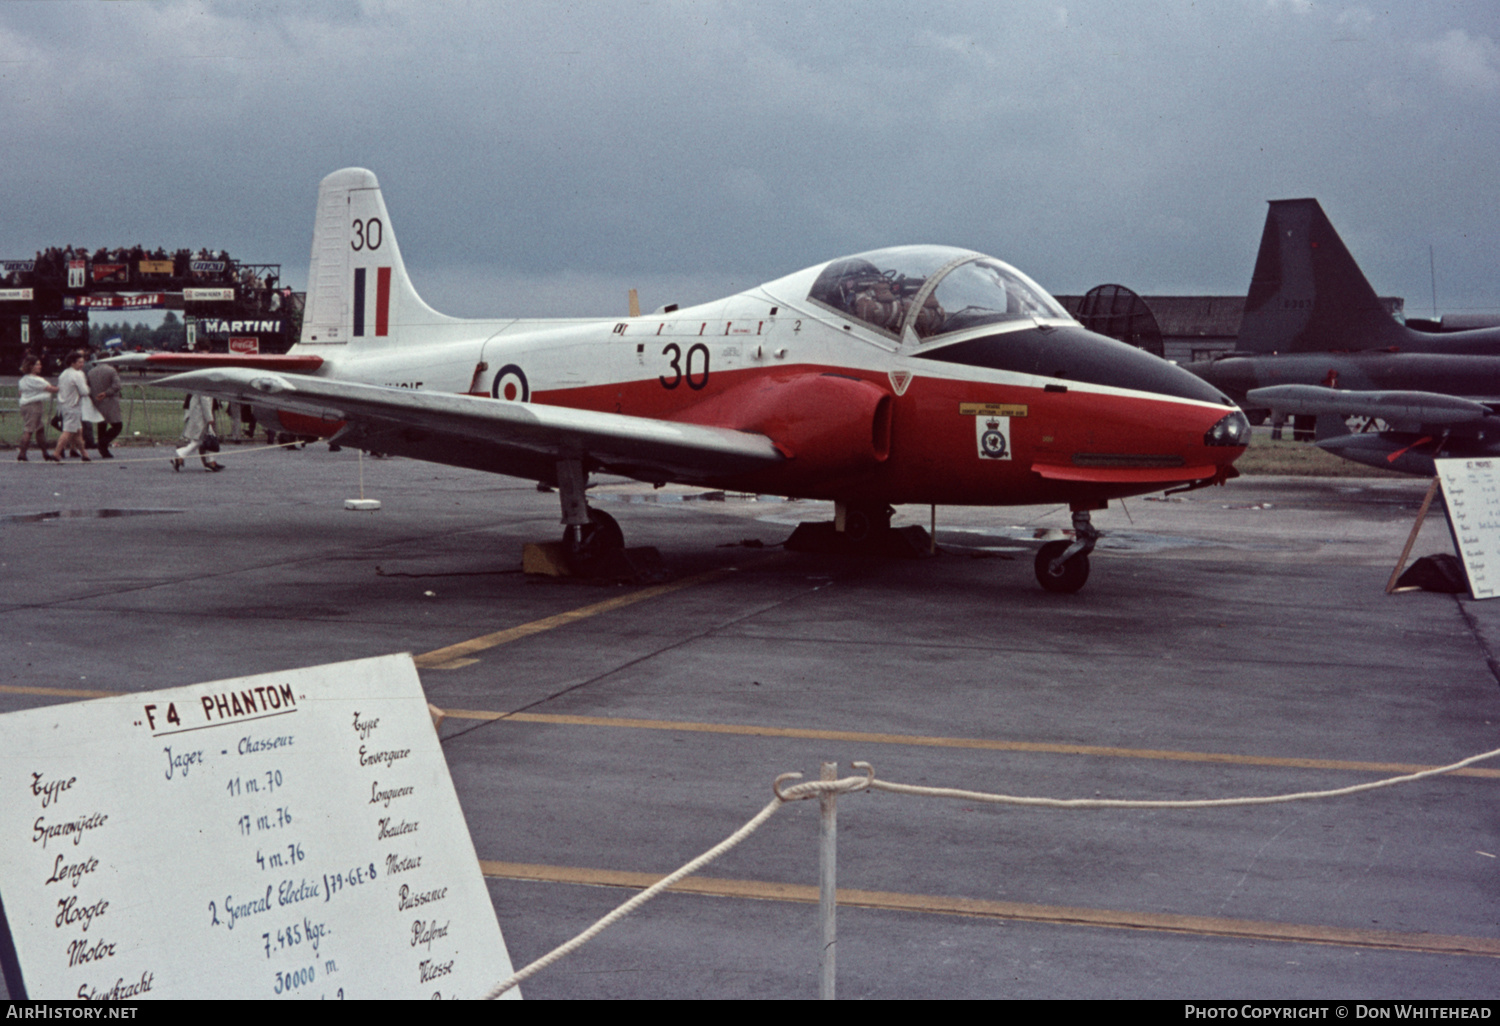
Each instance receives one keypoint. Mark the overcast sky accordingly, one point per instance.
(542, 158)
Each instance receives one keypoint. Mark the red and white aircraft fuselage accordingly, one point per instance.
(916, 374)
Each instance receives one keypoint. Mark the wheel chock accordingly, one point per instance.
(548, 559)
(552, 559)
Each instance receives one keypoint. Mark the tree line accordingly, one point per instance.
(170, 334)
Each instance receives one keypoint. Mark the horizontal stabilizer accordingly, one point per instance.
(1420, 407)
(196, 361)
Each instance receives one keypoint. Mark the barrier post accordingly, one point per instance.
(827, 883)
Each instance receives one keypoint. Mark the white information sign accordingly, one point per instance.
(288, 835)
(1472, 491)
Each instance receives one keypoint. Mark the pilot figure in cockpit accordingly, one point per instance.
(877, 303)
(881, 303)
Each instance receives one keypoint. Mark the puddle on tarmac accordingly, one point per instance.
(669, 497)
(1112, 541)
(80, 514)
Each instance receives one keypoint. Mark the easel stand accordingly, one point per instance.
(1411, 539)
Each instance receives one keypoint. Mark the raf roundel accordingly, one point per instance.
(510, 384)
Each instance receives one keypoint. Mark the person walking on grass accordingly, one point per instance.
(32, 392)
(72, 389)
(105, 387)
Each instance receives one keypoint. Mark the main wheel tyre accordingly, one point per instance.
(866, 523)
(1067, 577)
(600, 535)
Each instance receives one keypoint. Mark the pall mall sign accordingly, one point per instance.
(145, 301)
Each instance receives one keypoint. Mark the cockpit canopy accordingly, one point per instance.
(931, 290)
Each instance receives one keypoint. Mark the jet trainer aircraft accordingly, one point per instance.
(1315, 340)
(916, 374)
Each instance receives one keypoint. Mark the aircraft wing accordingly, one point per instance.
(523, 439)
(1418, 407)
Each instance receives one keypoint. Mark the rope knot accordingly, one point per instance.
(818, 788)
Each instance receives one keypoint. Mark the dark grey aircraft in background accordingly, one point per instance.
(1315, 340)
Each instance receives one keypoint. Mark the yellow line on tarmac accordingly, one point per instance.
(859, 737)
(454, 656)
(15, 689)
(1058, 915)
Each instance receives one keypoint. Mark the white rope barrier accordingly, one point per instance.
(846, 785)
(1206, 803)
(811, 789)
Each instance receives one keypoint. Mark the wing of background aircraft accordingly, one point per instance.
(1420, 426)
(525, 439)
(1398, 407)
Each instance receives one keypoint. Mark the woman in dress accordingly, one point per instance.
(32, 392)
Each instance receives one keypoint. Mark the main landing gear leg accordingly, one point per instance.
(586, 532)
(1064, 566)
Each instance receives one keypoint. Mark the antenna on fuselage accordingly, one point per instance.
(635, 304)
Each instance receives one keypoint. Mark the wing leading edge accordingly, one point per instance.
(523, 439)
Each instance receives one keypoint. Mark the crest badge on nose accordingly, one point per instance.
(993, 435)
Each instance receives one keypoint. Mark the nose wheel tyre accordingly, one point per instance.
(1065, 578)
(864, 524)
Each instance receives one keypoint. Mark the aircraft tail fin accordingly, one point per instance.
(358, 293)
(1307, 294)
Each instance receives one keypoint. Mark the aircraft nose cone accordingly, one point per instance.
(1232, 430)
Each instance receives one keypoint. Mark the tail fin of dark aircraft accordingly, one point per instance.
(1307, 294)
(358, 294)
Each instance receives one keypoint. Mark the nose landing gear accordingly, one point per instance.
(1062, 566)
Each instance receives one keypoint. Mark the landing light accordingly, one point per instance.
(1232, 430)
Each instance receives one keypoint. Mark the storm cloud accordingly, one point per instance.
(541, 159)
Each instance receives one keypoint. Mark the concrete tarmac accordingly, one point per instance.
(1231, 641)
